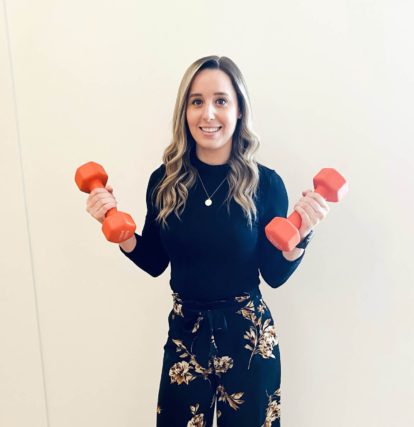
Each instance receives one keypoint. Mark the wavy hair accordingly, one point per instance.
(180, 175)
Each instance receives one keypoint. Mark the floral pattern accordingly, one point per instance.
(177, 306)
(198, 419)
(261, 339)
(232, 399)
(262, 336)
(186, 371)
(222, 364)
(180, 373)
(273, 409)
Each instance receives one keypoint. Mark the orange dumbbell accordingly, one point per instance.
(117, 226)
(284, 232)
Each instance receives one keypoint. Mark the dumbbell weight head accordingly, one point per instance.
(89, 176)
(118, 226)
(282, 233)
(330, 184)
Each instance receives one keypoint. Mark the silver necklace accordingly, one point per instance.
(208, 201)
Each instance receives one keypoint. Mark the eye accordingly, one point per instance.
(221, 101)
(224, 100)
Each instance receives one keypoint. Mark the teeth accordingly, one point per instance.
(210, 129)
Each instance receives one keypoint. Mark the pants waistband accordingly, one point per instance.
(229, 302)
(211, 313)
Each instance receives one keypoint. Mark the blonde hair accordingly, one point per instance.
(180, 175)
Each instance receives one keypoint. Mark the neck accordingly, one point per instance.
(213, 158)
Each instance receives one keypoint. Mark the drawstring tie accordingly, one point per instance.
(209, 314)
(216, 320)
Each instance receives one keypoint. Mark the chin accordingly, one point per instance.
(211, 145)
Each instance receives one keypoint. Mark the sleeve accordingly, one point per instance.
(274, 267)
(149, 253)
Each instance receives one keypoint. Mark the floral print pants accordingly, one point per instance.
(221, 352)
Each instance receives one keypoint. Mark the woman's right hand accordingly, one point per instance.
(99, 201)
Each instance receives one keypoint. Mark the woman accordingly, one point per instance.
(207, 206)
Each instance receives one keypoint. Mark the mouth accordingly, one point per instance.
(210, 130)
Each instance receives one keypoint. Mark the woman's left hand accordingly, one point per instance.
(312, 208)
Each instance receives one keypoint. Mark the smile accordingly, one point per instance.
(210, 130)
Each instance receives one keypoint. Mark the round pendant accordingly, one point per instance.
(208, 202)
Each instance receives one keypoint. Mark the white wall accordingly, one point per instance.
(331, 82)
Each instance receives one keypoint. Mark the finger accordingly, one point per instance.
(101, 210)
(317, 208)
(98, 203)
(105, 200)
(104, 209)
(98, 196)
(311, 216)
(306, 219)
(322, 202)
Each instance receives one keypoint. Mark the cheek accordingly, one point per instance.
(191, 118)
(231, 123)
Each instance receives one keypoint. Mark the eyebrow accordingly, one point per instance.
(217, 93)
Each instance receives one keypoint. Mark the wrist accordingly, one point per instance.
(305, 240)
(129, 245)
(294, 254)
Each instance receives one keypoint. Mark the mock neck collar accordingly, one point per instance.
(200, 165)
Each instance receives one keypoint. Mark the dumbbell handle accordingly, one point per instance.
(295, 217)
(97, 183)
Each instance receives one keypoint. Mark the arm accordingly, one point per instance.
(147, 250)
(129, 245)
(275, 266)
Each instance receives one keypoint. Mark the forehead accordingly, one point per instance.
(209, 81)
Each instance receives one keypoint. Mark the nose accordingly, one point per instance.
(209, 111)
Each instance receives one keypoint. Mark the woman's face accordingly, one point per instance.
(212, 112)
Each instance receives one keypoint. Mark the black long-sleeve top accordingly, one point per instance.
(214, 255)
